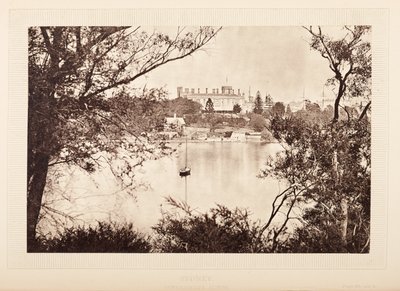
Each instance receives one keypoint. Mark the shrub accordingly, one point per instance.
(218, 231)
(267, 136)
(257, 122)
(102, 238)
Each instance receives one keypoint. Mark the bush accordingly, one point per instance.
(329, 166)
(103, 238)
(320, 235)
(192, 118)
(219, 231)
(257, 122)
(267, 136)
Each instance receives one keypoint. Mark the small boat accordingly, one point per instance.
(186, 170)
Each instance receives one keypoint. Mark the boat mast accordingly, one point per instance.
(186, 155)
(186, 189)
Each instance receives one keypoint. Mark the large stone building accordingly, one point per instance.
(223, 100)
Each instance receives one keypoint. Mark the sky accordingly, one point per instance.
(274, 60)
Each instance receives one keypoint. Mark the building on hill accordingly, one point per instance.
(223, 100)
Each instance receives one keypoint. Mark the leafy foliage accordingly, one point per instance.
(103, 238)
(77, 75)
(257, 122)
(349, 59)
(258, 105)
(181, 106)
(237, 108)
(209, 108)
(267, 136)
(288, 110)
(327, 161)
(328, 164)
(218, 231)
(278, 109)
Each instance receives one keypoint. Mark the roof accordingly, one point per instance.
(213, 96)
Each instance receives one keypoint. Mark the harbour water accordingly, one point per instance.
(222, 173)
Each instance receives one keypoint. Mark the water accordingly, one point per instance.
(221, 173)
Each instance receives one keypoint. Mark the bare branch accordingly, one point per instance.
(151, 68)
(364, 112)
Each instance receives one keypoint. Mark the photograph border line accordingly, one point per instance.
(21, 19)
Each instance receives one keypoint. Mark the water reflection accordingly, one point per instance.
(221, 173)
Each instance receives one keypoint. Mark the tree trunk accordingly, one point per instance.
(337, 101)
(364, 112)
(344, 222)
(343, 202)
(35, 194)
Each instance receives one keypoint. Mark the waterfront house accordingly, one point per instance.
(238, 136)
(253, 136)
(174, 124)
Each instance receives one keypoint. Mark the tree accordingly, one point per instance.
(323, 164)
(313, 107)
(209, 108)
(312, 113)
(258, 104)
(349, 58)
(72, 72)
(237, 108)
(266, 135)
(278, 109)
(181, 106)
(257, 122)
(288, 110)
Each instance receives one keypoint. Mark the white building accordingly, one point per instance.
(223, 100)
(174, 123)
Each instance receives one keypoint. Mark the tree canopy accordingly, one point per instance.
(257, 122)
(258, 105)
(349, 58)
(278, 109)
(326, 157)
(237, 108)
(324, 164)
(181, 106)
(74, 75)
(209, 108)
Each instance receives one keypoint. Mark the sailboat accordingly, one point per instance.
(186, 170)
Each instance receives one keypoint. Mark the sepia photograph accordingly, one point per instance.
(213, 145)
(199, 139)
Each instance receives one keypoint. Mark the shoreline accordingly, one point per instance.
(218, 141)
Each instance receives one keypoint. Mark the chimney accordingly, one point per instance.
(174, 115)
(206, 90)
(198, 90)
(217, 90)
(239, 92)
